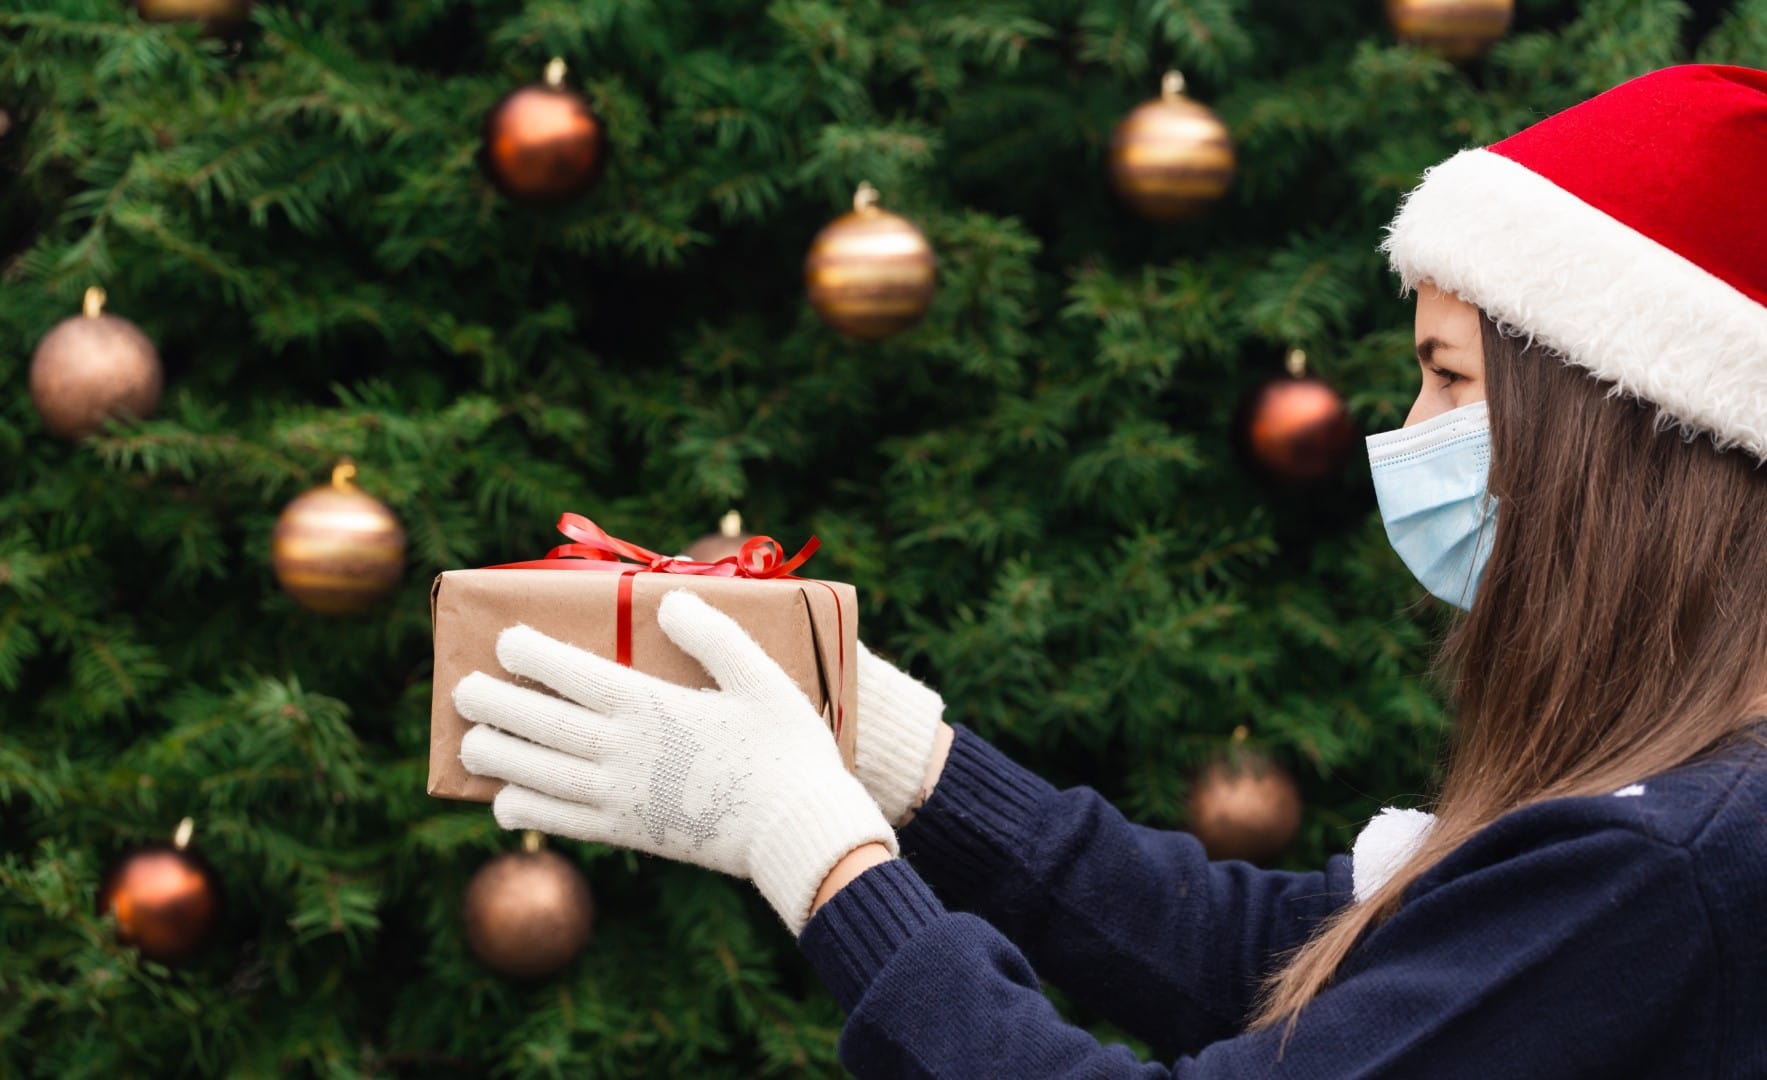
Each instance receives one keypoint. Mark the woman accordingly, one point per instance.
(1581, 470)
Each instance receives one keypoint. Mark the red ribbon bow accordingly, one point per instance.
(760, 557)
(594, 549)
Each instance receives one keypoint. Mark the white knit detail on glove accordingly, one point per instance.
(898, 727)
(744, 779)
(1384, 845)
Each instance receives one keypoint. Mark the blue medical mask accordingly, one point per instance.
(1431, 483)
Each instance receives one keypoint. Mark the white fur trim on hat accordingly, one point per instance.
(1384, 845)
(1604, 296)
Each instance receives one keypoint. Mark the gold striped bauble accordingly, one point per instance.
(1171, 157)
(870, 273)
(336, 549)
(1458, 29)
(217, 16)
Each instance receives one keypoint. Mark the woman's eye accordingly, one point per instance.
(1449, 378)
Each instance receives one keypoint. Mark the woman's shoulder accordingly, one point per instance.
(1711, 811)
(1630, 918)
(1693, 804)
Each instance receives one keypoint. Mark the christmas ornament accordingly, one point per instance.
(336, 549)
(543, 143)
(870, 274)
(165, 898)
(217, 16)
(724, 543)
(528, 913)
(1295, 427)
(92, 368)
(1244, 806)
(1171, 157)
(1458, 29)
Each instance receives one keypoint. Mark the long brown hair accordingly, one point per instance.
(1620, 628)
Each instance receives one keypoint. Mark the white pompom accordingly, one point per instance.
(1384, 845)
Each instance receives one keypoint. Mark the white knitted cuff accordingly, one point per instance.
(898, 727)
(805, 835)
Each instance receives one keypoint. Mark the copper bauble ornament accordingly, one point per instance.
(1244, 806)
(1458, 29)
(217, 16)
(93, 368)
(1171, 157)
(870, 273)
(528, 913)
(165, 898)
(1296, 427)
(336, 549)
(543, 143)
(725, 543)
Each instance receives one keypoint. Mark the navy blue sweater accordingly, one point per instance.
(1613, 936)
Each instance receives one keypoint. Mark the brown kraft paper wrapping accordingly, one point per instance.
(788, 618)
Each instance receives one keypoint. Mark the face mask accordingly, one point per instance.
(1430, 480)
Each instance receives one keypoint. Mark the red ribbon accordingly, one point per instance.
(760, 557)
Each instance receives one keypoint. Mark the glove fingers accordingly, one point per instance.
(489, 752)
(518, 807)
(722, 647)
(590, 680)
(535, 716)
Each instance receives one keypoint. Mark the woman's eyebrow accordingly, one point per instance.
(1426, 349)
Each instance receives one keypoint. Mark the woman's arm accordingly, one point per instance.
(1584, 954)
(1135, 923)
(1084, 893)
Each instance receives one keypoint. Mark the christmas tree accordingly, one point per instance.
(1035, 490)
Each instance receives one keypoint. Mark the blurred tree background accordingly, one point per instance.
(1035, 489)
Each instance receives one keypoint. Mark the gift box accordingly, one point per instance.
(601, 594)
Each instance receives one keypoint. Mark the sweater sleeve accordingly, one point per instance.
(1587, 956)
(1135, 923)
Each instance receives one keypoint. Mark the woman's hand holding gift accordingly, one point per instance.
(743, 779)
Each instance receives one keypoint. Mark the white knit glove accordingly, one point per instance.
(744, 779)
(898, 728)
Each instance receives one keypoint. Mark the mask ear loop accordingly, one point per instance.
(1487, 522)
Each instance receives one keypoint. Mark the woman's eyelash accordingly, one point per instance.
(1450, 377)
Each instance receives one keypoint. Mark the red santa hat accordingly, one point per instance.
(1628, 234)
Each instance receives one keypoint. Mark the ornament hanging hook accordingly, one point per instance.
(865, 199)
(555, 71)
(181, 837)
(93, 304)
(1172, 85)
(343, 473)
(532, 841)
(1296, 362)
(730, 525)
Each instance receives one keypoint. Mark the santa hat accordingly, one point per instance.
(1628, 234)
